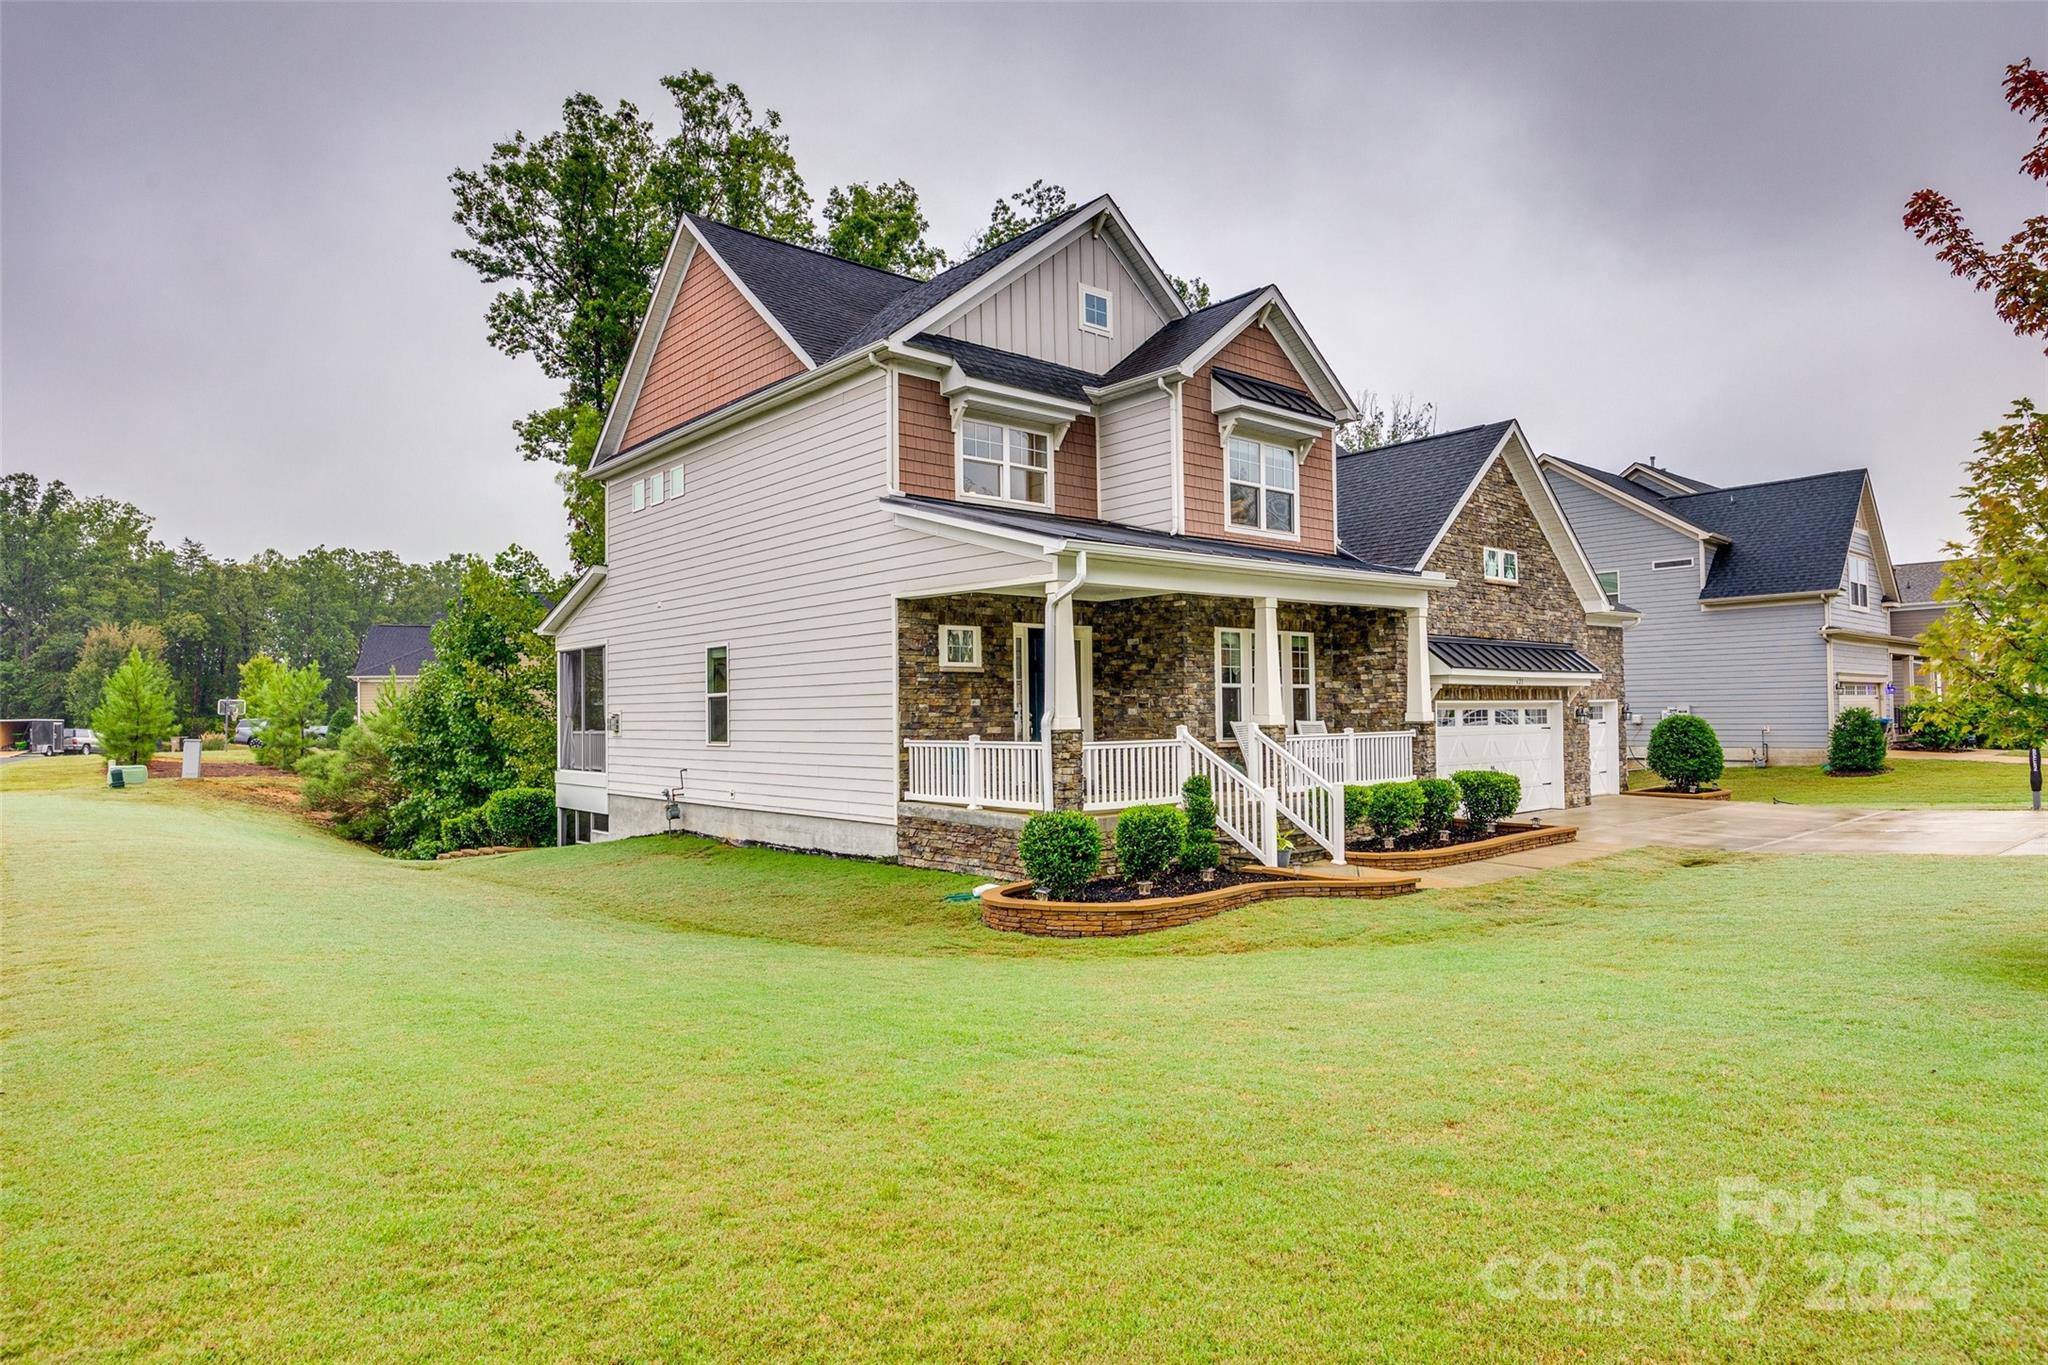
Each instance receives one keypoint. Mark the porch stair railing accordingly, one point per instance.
(1356, 757)
(1314, 803)
(1245, 811)
(975, 772)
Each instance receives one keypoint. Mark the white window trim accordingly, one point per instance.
(1233, 528)
(639, 495)
(1005, 425)
(1614, 596)
(1503, 557)
(1659, 565)
(675, 483)
(709, 694)
(1081, 310)
(1249, 653)
(946, 664)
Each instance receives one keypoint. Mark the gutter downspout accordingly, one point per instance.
(1062, 684)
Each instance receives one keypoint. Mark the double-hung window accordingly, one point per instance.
(1236, 668)
(1006, 463)
(1859, 582)
(717, 697)
(1263, 487)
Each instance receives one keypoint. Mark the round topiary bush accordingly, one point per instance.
(523, 817)
(1392, 809)
(1440, 798)
(1685, 751)
(1060, 850)
(1489, 797)
(1856, 743)
(1200, 851)
(1149, 840)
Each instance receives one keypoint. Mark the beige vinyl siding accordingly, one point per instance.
(1039, 313)
(1134, 462)
(780, 550)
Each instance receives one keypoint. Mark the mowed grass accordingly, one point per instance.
(271, 1096)
(1911, 783)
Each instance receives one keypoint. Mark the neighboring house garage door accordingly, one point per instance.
(1525, 738)
(1868, 695)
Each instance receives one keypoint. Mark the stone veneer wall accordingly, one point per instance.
(1541, 606)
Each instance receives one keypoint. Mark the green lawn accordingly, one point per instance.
(268, 1095)
(1911, 782)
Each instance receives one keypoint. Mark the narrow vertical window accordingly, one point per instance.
(1301, 674)
(639, 494)
(654, 489)
(1233, 680)
(675, 482)
(717, 697)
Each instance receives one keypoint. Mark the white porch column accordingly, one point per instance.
(1269, 693)
(1062, 665)
(1418, 664)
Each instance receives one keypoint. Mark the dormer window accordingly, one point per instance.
(1264, 484)
(1098, 312)
(1501, 566)
(1005, 463)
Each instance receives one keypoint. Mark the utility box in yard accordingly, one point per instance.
(127, 774)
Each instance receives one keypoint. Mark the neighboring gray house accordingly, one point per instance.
(1915, 612)
(388, 661)
(1766, 608)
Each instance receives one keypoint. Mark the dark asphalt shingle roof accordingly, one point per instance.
(1273, 395)
(1509, 656)
(1918, 580)
(1132, 537)
(1008, 367)
(819, 299)
(404, 650)
(1696, 485)
(1617, 483)
(905, 307)
(1392, 500)
(1179, 339)
(1790, 535)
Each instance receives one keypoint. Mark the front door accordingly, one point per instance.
(1029, 699)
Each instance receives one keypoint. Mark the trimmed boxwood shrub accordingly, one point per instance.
(1060, 850)
(1489, 797)
(1685, 751)
(1392, 809)
(1148, 841)
(1356, 801)
(1440, 798)
(1200, 851)
(1856, 743)
(521, 816)
(467, 830)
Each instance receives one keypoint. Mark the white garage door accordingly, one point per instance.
(1521, 737)
(1868, 695)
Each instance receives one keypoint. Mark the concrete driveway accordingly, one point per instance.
(1613, 823)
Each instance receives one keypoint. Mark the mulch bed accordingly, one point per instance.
(1426, 843)
(1509, 836)
(1013, 908)
(1109, 890)
(1673, 794)
(171, 767)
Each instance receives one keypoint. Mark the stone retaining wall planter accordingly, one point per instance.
(1014, 909)
(1509, 836)
(1672, 794)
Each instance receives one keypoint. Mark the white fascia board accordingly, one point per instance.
(1003, 398)
(1765, 599)
(1556, 526)
(1662, 518)
(1138, 259)
(577, 595)
(977, 532)
(1443, 675)
(1867, 637)
(963, 300)
(669, 444)
(1678, 489)
(673, 267)
(1880, 549)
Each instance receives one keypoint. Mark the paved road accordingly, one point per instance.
(1613, 823)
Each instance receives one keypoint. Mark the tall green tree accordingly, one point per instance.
(134, 714)
(286, 700)
(105, 648)
(1384, 422)
(1016, 214)
(883, 226)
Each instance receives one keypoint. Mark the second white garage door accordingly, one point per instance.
(1524, 738)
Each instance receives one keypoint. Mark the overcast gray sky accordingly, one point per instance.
(1644, 230)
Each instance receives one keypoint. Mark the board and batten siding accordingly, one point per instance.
(780, 550)
(1134, 461)
(1739, 668)
(1039, 313)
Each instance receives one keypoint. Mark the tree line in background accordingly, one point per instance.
(84, 581)
(1991, 648)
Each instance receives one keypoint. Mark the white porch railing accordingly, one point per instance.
(1352, 758)
(1133, 772)
(976, 772)
(1244, 811)
(1313, 802)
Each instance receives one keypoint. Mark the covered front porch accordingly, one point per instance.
(1112, 682)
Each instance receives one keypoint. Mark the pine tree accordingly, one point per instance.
(135, 714)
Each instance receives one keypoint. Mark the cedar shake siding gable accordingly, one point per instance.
(714, 348)
(1255, 352)
(925, 465)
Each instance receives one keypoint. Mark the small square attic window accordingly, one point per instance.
(1098, 313)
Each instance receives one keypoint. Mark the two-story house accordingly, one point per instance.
(891, 562)
(1765, 608)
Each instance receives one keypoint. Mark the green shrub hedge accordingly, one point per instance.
(521, 816)
(1393, 808)
(1685, 751)
(1856, 743)
(1489, 797)
(1201, 850)
(1440, 798)
(1149, 839)
(1061, 850)
(467, 830)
